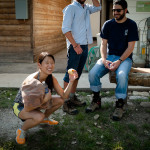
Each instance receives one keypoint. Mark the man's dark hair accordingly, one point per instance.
(123, 3)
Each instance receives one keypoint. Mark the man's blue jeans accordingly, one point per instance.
(99, 70)
(76, 61)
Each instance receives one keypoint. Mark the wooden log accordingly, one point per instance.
(47, 16)
(15, 38)
(14, 27)
(49, 37)
(7, 1)
(10, 49)
(7, 11)
(15, 33)
(141, 70)
(52, 3)
(15, 22)
(47, 27)
(10, 4)
(47, 22)
(136, 79)
(47, 42)
(7, 16)
(16, 44)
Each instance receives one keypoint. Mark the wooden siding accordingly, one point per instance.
(47, 22)
(23, 40)
(15, 35)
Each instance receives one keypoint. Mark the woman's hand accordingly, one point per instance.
(48, 96)
(72, 74)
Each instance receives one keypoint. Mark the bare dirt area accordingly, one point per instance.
(136, 114)
(9, 123)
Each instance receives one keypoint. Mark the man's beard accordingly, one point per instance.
(121, 17)
(81, 1)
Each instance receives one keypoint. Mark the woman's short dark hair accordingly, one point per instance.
(43, 55)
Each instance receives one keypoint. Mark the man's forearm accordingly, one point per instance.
(128, 51)
(103, 49)
(96, 3)
(70, 38)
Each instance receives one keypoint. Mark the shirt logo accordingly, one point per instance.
(126, 32)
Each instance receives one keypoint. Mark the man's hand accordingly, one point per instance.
(78, 49)
(113, 66)
(107, 63)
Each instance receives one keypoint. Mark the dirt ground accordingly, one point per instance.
(9, 123)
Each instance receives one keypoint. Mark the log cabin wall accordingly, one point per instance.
(23, 40)
(15, 35)
(47, 22)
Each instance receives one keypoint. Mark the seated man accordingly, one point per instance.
(119, 34)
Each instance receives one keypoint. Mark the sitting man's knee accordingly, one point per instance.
(122, 75)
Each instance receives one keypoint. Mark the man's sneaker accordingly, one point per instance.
(69, 108)
(119, 111)
(20, 136)
(50, 121)
(94, 105)
(76, 102)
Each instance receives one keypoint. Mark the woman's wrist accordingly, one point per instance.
(71, 82)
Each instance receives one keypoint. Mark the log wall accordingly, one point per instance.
(47, 22)
(15, 35)
(23, 40)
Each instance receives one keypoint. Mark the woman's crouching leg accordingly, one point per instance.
(57, 102)
(31, 118)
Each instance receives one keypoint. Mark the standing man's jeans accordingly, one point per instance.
(76, 61)
(99, 70)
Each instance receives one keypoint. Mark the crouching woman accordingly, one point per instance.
(36, 94)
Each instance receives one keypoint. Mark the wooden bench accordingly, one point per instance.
(137, 77)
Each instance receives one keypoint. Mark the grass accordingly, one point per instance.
(82, 131)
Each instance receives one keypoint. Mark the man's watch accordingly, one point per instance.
(120, 60)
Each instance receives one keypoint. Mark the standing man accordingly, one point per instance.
(118, 36)
(77, 29)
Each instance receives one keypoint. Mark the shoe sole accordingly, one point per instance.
(76, 105)
(116, 118)
(71, 113)
(50, 122)
(88, 111)
(18, 142)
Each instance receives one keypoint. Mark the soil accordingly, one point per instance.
(9, 123)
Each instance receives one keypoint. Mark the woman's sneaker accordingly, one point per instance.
(50, 121)
(20, 136)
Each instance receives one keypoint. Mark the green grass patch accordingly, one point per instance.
(82, 131)
(7, 97)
